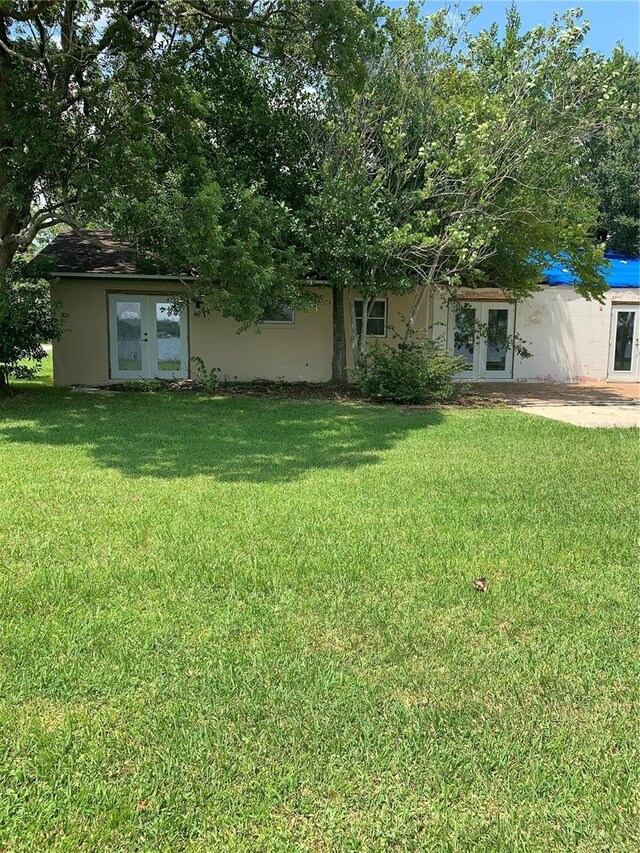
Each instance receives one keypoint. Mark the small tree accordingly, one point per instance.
(28, 319)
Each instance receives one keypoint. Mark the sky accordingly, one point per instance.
(611, 21)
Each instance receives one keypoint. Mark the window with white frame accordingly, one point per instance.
(377, 321)
(278, 314)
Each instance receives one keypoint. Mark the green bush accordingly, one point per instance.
(418, 371)
(28, 320)
(209, 377)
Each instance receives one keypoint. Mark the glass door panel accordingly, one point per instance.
(623, 358)
(129, 336)
(169, 343)
(497, 345)
(129, 325)
(623, 346)
(464, 335)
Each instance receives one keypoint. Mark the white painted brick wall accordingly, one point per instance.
(567, 335)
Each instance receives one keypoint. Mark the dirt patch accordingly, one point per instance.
(277, 390)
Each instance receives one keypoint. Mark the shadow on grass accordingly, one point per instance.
(231, 439)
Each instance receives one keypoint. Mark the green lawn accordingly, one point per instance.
(236, 624)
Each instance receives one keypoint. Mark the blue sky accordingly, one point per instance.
(611, 21)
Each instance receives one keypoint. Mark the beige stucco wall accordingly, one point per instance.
(291, 351)
(81, 356)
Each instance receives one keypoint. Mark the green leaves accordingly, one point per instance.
(27, 321)
(613, 156)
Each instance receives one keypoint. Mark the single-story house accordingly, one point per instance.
(118, 328)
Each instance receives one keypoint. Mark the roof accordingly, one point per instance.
(98, 254)
(623, 271)
(101, 254)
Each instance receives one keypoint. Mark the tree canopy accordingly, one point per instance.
(614, 158)
(99, 100)
(461, 161)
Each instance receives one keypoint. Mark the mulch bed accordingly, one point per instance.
(293, 391)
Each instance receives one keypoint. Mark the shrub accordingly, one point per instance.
(209, 378)
(28, 319)
(418, 371)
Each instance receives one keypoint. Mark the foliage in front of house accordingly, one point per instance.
(614, 156)
(418, 371)
(208, 376)
(461, 161)
(28, 319)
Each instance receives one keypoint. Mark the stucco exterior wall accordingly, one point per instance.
(294, 352)
(298, 351)
(81, 356)
(567, 335)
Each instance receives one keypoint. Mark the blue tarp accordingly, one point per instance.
(622, 272)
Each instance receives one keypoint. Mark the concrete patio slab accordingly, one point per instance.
(557, 394)
(604, 405)
(608, 417)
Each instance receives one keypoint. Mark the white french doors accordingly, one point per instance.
(624, 343)
(146, 339)
(482, 334)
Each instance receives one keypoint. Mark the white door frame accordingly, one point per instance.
(633, 374)
(507, 373)
(149, 338)
(480, 344)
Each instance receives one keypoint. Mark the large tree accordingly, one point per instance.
(99, 114)
(460, 160)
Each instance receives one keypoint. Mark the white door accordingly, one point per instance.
(496, 346)
(624, 343)
(482, 333)
(146, 340)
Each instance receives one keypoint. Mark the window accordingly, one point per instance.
(377, 322)
(278, 314)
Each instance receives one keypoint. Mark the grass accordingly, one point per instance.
(234, 624)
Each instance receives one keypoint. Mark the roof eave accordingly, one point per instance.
(119, 276)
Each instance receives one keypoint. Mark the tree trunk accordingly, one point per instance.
(353, 335)
(339, 360)
(422, 291)
(7, 251)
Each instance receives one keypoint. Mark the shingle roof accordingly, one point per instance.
(100, 254)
